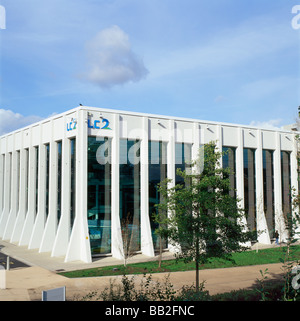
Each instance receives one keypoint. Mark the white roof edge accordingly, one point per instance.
(183, 119)
(42, 121)
(124, 112)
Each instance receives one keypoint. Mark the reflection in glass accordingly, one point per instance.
(36, 177)
(10, 179)
(18, 181)
(26, 178)
(73, 182)
(286, 184)
(157, 173)
(268, 184)
(130, 193)
(3, 181)
(249, 188)
(183, 158)
(228, 161)
(47, 179)
(59, 169)
(99, 194)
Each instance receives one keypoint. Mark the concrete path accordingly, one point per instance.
(27, 283)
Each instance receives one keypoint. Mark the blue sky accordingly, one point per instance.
(219, 60)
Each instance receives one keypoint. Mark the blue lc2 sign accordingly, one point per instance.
(99, 124)
(71, 125)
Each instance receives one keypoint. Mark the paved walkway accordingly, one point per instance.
(27, 283)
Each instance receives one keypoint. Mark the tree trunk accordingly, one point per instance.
(197, 276)
(160, 252)
(197, 264)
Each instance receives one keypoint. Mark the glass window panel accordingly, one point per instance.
(268, 188)
(99, 194)
(286, 183)
(72, 182)
(18, 181)
(249, 187)
(59, 183)
(36, 177)
(157, 173)
(183, 157)
(26, 178)
(229, 161)
(3, 180)
(130, 193)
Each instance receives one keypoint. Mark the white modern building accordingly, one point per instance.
(67, 182)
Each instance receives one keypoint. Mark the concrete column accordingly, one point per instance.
(40, 219)
(63, 235)
(146, 236)
(171, 164)
(15, 174)
(30, 215)
(23, 197)
(261, 223)
(196, 142)
(51, 223)
(79, 245)
(279, 219)
(7, 193)
(2, 162)
(294, 179)
(219, 142)
(116, 236)
(240, 194)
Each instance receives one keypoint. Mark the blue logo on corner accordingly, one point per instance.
(99, 124)
(71, 125)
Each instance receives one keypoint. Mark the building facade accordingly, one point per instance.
(69, 183)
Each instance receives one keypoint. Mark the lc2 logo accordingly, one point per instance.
(296, 19)
(96, 124)
(71, 125)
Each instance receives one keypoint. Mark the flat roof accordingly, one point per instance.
(125, 112)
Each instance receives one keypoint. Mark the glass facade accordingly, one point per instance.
(26, 178)
(99, 194)
(22, 161)
(183, 158)
(10, 176)
(73, 182)
(268, 188)
(18, 181)
(3, 181)
(130, 193)
(228, 161)
(59, 183)
(249, 187)
(47, 146)
(36, 177)
(157, 160)
(286, 183)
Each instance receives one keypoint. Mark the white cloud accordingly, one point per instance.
(269, 124)
(10, 121)
(111, 59)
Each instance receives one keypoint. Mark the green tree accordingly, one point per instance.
(203, 220)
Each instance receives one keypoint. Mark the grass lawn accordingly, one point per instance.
(265, 256)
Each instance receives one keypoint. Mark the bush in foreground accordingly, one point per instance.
(149, 290)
